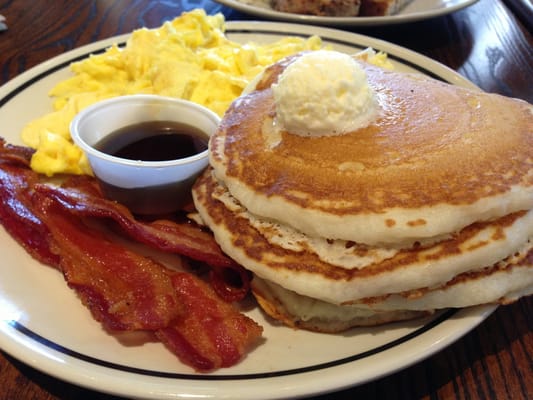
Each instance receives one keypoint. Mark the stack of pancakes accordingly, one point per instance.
(429, 207)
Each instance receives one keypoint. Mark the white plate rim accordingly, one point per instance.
(400, 18)
(30, 348)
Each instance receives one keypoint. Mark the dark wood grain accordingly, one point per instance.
(488, 43)
(485, 43)
(523, 9)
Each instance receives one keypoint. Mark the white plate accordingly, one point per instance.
(415, 11)
(43, 324)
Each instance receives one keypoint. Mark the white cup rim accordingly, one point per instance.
(137, 99)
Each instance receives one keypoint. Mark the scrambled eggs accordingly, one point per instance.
(189, 58)
(379, 58)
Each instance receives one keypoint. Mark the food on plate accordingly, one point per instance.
(426, 203)
(378, 8)
(16, 215)
(189, 57)
(67, 225)
(123, 289)
(340, 8)
(85, 199)
(334, 8)
(332, 107)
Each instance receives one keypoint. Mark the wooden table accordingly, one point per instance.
(489, 43)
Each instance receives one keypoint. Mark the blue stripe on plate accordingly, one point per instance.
(206, 377)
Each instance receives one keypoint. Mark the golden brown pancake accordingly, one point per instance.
(306, 313)
(439, 158)
(496, 285)
(500, 284)
(362, 272)
(430, 206)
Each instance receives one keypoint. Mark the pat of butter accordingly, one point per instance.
(323, 93)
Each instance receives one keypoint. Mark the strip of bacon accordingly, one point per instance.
(127, 291)
(123, 290)
(15, 155)
(18, 218)
(185, 239)
(210, 334)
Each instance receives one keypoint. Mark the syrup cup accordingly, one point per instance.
(145, 187)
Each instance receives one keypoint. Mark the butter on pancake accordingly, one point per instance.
(426, 205)
(339, 101)
(437, 159)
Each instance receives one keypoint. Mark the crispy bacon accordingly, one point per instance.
(127, 291)
(123, 290)
(15, 155)
(210, 334)
(16, 214)
(182, 238)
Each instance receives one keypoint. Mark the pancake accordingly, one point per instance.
(429, 206)
(501, 284)
(407, 177)
(307, 313)
(346, 272)
(492, 286)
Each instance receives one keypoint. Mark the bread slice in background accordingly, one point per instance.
(375, 8)
(340, 8)
(329, 8)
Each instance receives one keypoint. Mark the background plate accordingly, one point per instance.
(415, 11)
(43, 324)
